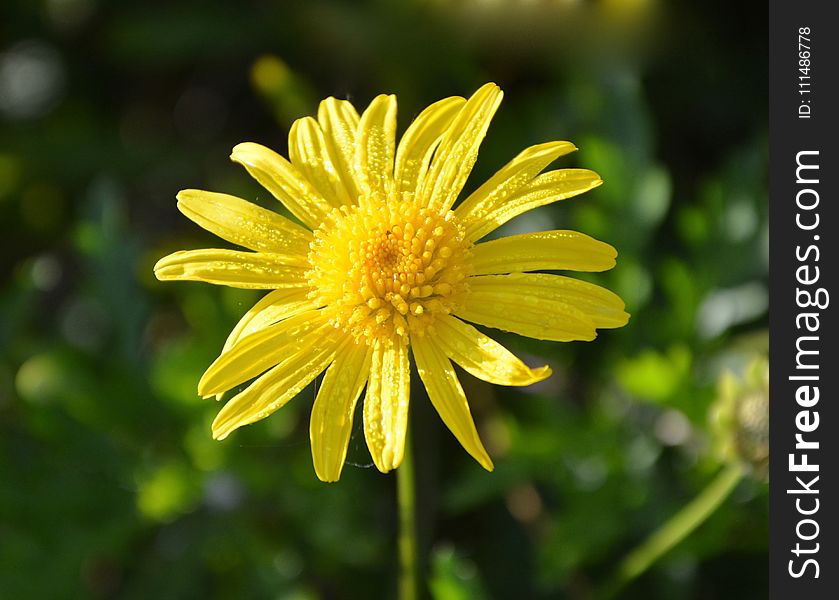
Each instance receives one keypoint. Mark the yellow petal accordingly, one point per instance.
(447, 396)
(279, 385)
(420, 140)
(545, 307)
(308, 152)
(286, 184)
(545, 250)
(243, 223)
(262, 349)
(375, 145)
(332, 414)
(386, 404)
(511, 178)
(458, 150)
(273, 308)
(249, 270)
(339, 121)
(482, 356)
(544, 189)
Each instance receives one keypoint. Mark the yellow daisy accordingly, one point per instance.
(383, 267)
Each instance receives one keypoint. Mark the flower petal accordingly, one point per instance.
(249, 270)
(273, 308)
(308, 152)
(420, 140)
(447, 396)
(544, 189)
(545, 307)
(286, 184)
(545, 250)
(264, 348)
(244, 223)
(511, 178)
(275, 388)
(332, 414)
(375, 145)
(339, 121)
(482, 356)
(457, 152)
(386, 404)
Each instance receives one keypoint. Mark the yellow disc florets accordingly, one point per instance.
(386, 268)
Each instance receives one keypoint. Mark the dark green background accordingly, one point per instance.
(110, 485)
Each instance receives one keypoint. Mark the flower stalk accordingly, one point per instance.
(676, 529)
(405, 492)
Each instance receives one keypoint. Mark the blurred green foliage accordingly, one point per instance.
(110, 485)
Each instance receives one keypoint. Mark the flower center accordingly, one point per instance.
(388, 267)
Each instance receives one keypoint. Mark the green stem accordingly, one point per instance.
(407, 524)
(676, 529)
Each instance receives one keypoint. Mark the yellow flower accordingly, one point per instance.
(383, 266)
